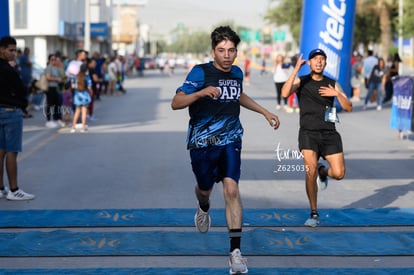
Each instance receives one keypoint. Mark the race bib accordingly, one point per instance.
(330, 114)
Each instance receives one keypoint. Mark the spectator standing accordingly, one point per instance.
(25, 67)
(356, 74)
(293, 105)
(113, 76)
(73, 67)
(263, 70)
(81, 98)
(369, 62)
(13, 99)
(247, 65)
(140, 66)
(54, 78)
(96, 81)
(105, 77)
(280, 75)
(99, 72)
(393, 71)
(376, 82)
(120, 73)
(18, 58)
(61, 68)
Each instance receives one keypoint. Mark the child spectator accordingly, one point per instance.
(82, 97)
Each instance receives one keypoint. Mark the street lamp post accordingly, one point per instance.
(87, 28)
(400, 34)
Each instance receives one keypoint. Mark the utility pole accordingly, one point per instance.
(400, 34)
(87, 27)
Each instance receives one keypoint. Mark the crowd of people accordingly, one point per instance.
(378, 74)
(59, 97)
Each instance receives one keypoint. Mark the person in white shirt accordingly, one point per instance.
(280, 75)
(113, 76)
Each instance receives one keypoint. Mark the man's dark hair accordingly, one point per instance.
(5, 41)
(224, 33)
(78, 52)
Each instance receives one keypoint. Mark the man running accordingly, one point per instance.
(317, 134)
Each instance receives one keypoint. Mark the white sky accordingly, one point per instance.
(163, 15)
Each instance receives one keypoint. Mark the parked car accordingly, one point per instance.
(147, 62)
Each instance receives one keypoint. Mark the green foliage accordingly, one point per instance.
(408, 19)
(366, 28)
(161, 46)
(286, 12)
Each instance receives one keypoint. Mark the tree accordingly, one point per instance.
(161, 46)
(407, 24)
(384, 10)
(286, 12)
(366, 26)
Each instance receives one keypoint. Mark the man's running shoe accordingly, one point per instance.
(19, 195)
(313, 220)
(321, 181)
(202, 220)
(237, 263)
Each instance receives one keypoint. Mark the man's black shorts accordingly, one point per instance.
(323, 142)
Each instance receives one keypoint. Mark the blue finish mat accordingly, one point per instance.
(218, 271)
(185, 217)
(255, 242)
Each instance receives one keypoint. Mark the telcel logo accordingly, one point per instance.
(334, 34)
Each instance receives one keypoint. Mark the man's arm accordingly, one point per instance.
(293, 82)
(340, 95)
(248, 103)
(182, 100)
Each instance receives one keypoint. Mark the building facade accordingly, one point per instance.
(48, 26)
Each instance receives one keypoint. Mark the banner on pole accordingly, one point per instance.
(402, 103)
